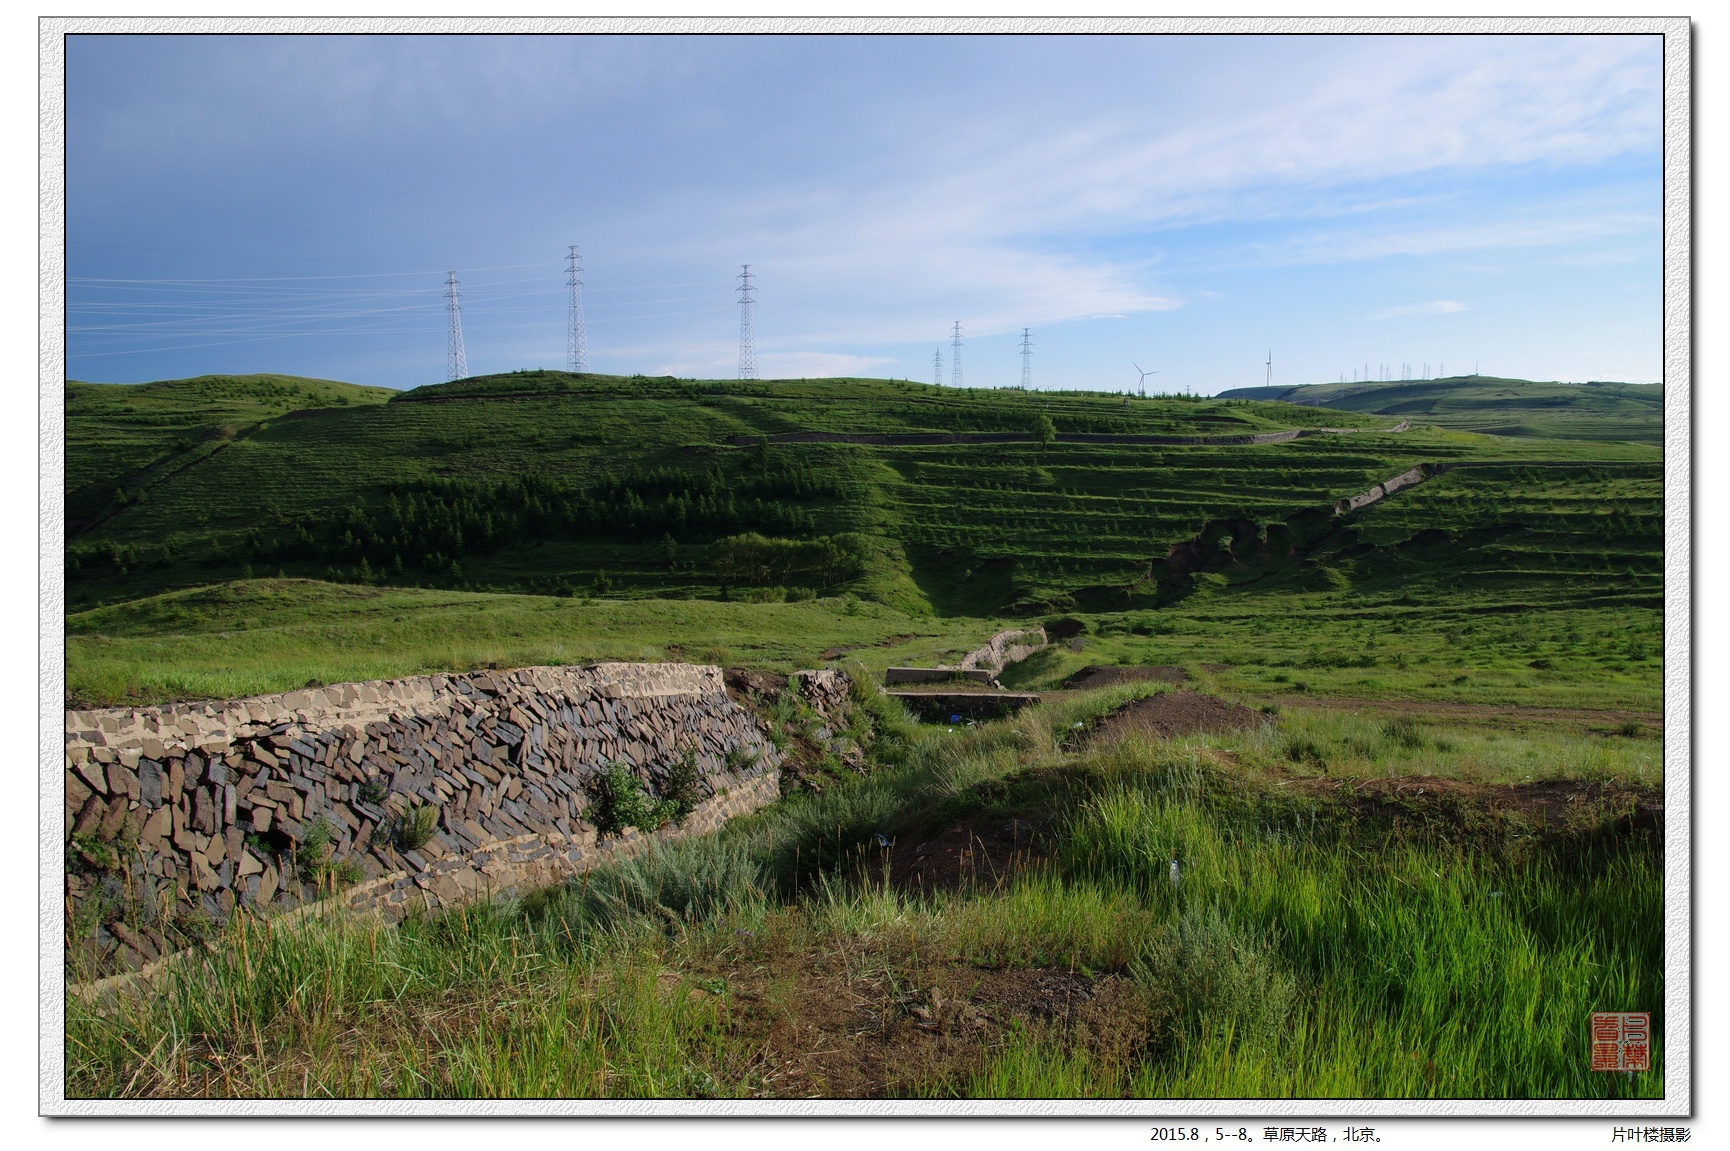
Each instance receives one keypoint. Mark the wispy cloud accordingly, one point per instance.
(881, 187)
(1433, 308)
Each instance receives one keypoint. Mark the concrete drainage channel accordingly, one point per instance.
(970, 690)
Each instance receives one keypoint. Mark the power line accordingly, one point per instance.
(576, 338)
(1027, 357)
(955, 355)
(456, 361)
(937, 367)
(747, 328)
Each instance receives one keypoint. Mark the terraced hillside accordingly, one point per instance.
(125, 439)
(549, 483)
(1502, 407)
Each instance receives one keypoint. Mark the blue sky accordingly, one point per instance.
(239, 204)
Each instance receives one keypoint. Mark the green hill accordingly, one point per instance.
(1494, 406)
(122, 439)
(548, 483)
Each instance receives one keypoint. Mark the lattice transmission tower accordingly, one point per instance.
(456, 362)
(747, 328)
(937, 367)
(576, 336)
(955, 355)
(1027, 357)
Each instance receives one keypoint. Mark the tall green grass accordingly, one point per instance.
(1302, 951)
(1429, 970)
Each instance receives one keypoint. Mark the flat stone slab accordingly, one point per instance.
(935, 675)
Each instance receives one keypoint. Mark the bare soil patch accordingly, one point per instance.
(742, 684)
(1095, 676)
(855, 1023)
(1176, 713)
(973, 855)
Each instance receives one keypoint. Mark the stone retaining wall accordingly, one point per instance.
(192, 810)
(1387, 487)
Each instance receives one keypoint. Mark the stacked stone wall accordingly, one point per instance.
(184, 813)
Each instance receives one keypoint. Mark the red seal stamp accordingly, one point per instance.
(1621, 1040)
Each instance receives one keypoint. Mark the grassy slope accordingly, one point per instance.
(1596, 411)
(964, 529)
(133, 437)
(260, 636)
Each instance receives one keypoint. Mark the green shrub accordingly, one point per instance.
(684, 785)
(416, 827)
(622, 801)
(313, 851)
(92, 853)
(1228, 982)
(313, 860)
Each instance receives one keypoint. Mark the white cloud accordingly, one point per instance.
(1433, 308)
(820, 365)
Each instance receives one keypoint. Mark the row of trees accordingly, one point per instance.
(431, 524)
(753, 559)
(436, 521)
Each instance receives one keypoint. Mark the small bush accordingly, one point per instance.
(684, 786)
(1227, 981)
(92, 852)
(415, 828)
(314, 850)
(313, 861)
(621, 801)
(373, 791)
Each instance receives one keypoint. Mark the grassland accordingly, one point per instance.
(1342, 927)
(1489, 404)
(258, 636)
(1433, 854)
(262, 636)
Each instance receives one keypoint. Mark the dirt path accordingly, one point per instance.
(913, 439)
